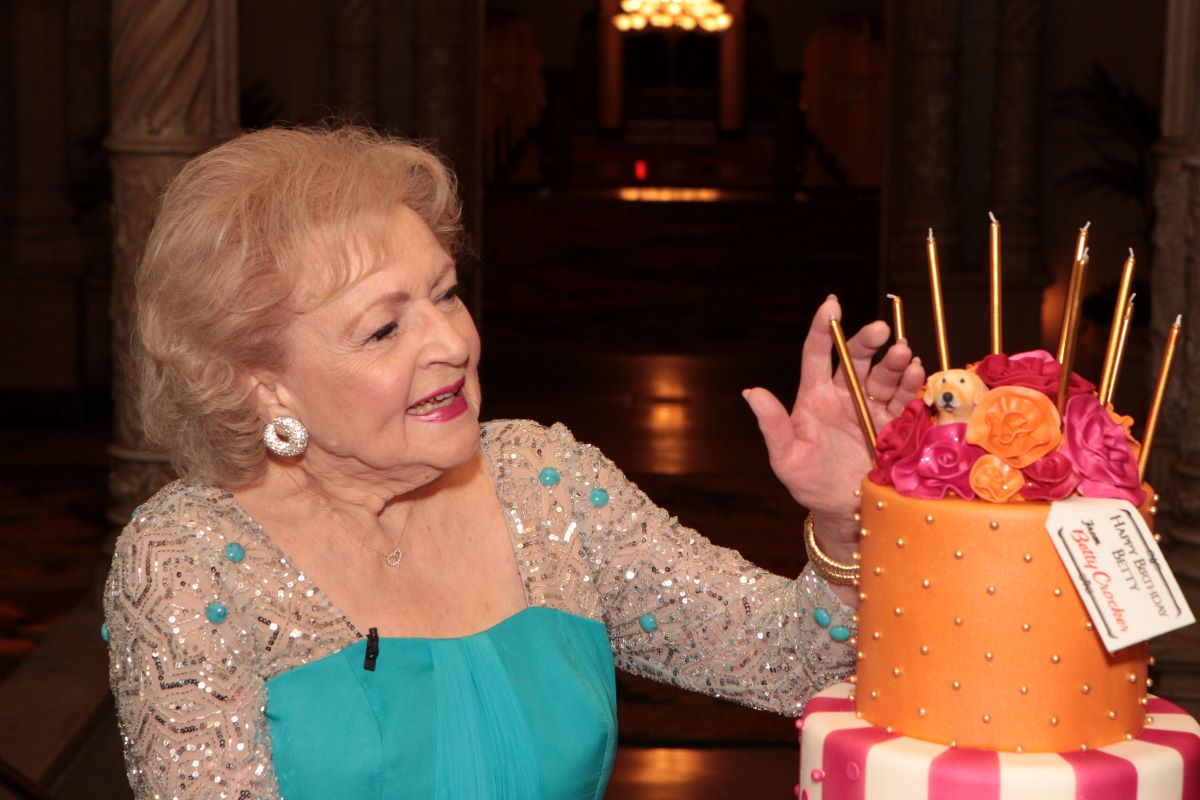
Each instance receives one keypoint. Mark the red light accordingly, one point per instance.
(639, 169)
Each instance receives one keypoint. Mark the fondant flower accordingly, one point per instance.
(898, 439)
(1035, 369)
(1016, 423)
(1100, 452)
(1051, 477)
(1126, 423)
(941, 463)
(994, 479)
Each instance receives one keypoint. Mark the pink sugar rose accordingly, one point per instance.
(1051, 477)
(941, 463)
(1035, 369)
(1100, 452)
(898, 439)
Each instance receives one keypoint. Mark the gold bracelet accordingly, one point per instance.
(837, 572)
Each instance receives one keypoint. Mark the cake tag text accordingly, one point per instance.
(1117, 569)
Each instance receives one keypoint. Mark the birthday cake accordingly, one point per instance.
(982, 670)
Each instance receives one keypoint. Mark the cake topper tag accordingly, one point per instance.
(1118, 570)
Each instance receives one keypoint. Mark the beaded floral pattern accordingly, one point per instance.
(202, 609)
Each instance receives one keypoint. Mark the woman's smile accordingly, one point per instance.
(441, 405)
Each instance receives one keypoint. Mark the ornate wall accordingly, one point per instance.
(1175, 283)
(173, 79)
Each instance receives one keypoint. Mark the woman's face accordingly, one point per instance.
(385, 375)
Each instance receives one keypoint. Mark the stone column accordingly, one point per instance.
(611, 74)
(1175, 289)
(1015, 134)
(928, 131)
(41, 252)
(447, 58)
(36, 206)
(732, 114)
(919, 188)
(1014, 168)
(355, 92)
(1175, 255)
(87, 164)
(173, 87)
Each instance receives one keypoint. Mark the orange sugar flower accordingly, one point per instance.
(1017, 424)
(1126, 423)
(995, 480)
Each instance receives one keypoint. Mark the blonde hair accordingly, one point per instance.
(237, 229)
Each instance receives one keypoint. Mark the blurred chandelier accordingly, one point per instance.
(683, 14)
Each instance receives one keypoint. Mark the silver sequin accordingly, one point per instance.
(191, 693)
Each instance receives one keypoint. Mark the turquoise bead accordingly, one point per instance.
(548, 476)
(104, 631)
(599, 497)
(839, 633)
(235, 552)
(822, 618)
(216, 612)
(134, 515)
(648, 622)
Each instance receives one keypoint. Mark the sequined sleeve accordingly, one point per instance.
(189, 701)
(678, 608)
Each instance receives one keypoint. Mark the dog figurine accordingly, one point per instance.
(953, 393)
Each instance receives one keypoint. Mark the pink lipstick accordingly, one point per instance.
(441, 404)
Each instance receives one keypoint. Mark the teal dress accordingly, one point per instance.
(524, 709)
(235, 676)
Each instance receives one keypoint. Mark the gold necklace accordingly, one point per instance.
(392, 559)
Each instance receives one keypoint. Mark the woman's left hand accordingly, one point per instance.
(819, 451)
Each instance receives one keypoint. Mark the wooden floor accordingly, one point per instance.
(730, 773)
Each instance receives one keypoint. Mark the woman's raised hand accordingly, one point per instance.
(819, 450)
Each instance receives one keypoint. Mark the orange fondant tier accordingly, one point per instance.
(971, 632)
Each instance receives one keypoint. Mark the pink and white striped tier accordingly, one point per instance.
(845, 758)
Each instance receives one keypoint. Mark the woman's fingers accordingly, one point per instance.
(911, 381)
(910, 386)
(884, 378)
(773, 422)
(862, 347)
(816, 364)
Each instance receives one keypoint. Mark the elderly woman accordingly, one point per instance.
(358, 590)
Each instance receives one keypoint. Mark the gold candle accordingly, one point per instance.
(1110, 354)
(897, 315)
(1074, 290)
(1066, 347)
(1164, 373)
(994, 242)
(856, 390)
(1081, 241)
(1126, 320)
(939, 315)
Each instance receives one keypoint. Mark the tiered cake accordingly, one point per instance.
(980, 674)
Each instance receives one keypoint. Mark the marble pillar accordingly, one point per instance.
(447, 110)
(927, 135)
(41, 251)
(1175, 289)
(731, 116)
(1014, 168)
(36, 208)
(354, 85)
(1175, 464)
(173, 89)
(610, 89)
(921, 159)
(87, 173)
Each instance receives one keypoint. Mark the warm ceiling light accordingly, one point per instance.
(686, 15)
